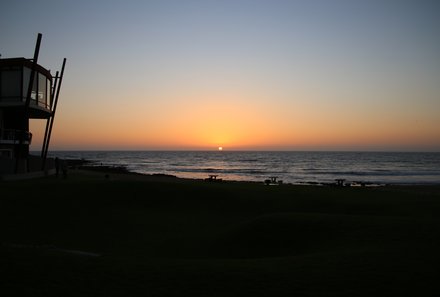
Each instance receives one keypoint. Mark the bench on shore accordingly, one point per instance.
(213, 178)
(340, 182)
(273, 181)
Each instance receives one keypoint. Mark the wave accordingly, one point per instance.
(373, 173)
(220, 170)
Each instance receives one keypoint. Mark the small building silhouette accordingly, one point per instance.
(27, 91)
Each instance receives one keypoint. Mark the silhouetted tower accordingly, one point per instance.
(27, 91)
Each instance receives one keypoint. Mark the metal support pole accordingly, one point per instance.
(54, 110)
(28, 100)
(52, 96)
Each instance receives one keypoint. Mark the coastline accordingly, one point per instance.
(291, 167)
(121, 169)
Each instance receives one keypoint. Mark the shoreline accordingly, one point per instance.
(291, 167)
(120, 169)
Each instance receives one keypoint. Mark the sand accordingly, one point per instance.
(116, 234)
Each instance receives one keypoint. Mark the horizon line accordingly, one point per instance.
(252, 150)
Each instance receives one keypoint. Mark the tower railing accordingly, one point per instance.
(13, 136)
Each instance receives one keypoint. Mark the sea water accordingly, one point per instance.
(291, 167)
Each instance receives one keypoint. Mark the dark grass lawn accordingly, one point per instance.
(143, 236)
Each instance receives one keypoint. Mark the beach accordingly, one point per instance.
(110, 233)
(297, 167)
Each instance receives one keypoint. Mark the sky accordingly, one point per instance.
(241, 74)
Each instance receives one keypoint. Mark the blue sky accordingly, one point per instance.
(322, 74)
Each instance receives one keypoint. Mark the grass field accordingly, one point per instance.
(132, 235)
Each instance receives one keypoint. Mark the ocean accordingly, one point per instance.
(290, 167)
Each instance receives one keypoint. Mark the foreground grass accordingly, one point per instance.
(143, 236)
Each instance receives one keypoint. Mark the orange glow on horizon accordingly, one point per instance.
(238, 122)
(200, 77)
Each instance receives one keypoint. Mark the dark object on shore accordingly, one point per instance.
(213, 178)
(61, 164)
(273, 181)
(64, 168)
(340, 182)
(57, 166)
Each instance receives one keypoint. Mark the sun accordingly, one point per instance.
(220, 148)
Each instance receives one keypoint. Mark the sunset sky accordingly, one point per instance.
(241, 74)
